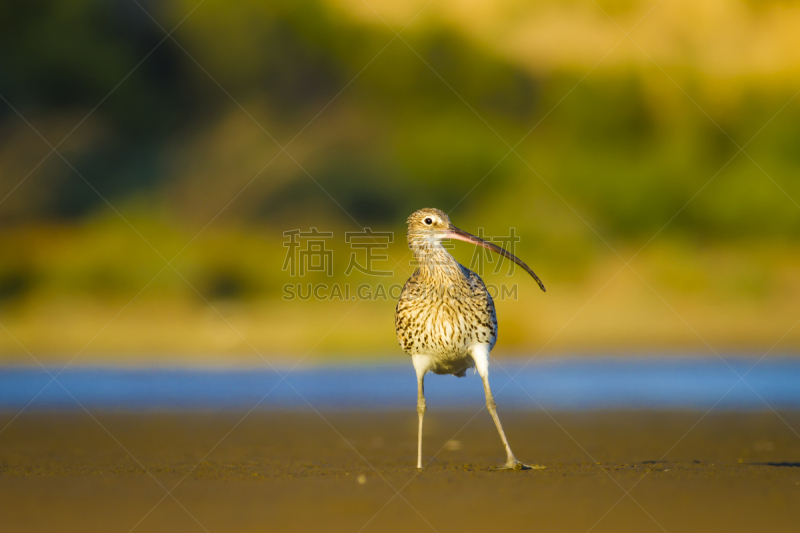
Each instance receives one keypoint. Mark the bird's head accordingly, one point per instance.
(428, 227)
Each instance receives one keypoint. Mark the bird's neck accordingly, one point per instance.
(435, 265)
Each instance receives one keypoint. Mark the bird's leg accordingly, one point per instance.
(480, 354)
(511, 462)
(422, 363)
(421, 408)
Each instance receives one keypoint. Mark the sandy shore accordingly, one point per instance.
(297, 471)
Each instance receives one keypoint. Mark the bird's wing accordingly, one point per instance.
(482, 303)
(402, 314)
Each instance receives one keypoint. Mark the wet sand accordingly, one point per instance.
(299, 471)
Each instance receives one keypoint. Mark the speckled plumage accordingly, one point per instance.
(444, 309)
(445, 318)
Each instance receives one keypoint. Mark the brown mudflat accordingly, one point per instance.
(300, 471)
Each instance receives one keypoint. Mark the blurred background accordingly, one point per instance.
(153, 155)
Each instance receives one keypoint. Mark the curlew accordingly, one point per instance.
(445, 318)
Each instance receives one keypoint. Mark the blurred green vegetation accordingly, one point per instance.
(380, 126)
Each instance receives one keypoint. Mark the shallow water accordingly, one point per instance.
(562, 384)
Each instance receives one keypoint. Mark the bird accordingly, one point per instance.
(445, 318)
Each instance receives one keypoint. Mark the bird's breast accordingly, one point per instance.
(444, 323)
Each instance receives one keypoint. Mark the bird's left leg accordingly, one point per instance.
(480, 355)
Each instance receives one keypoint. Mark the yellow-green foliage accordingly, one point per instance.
(616, 139)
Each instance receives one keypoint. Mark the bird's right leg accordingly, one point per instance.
(421, 408)
(421, 365)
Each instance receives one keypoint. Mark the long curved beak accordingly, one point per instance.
(461, 235)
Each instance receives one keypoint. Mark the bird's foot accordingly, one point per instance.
(513, 464)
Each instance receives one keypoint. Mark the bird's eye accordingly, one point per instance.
(429, 221)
